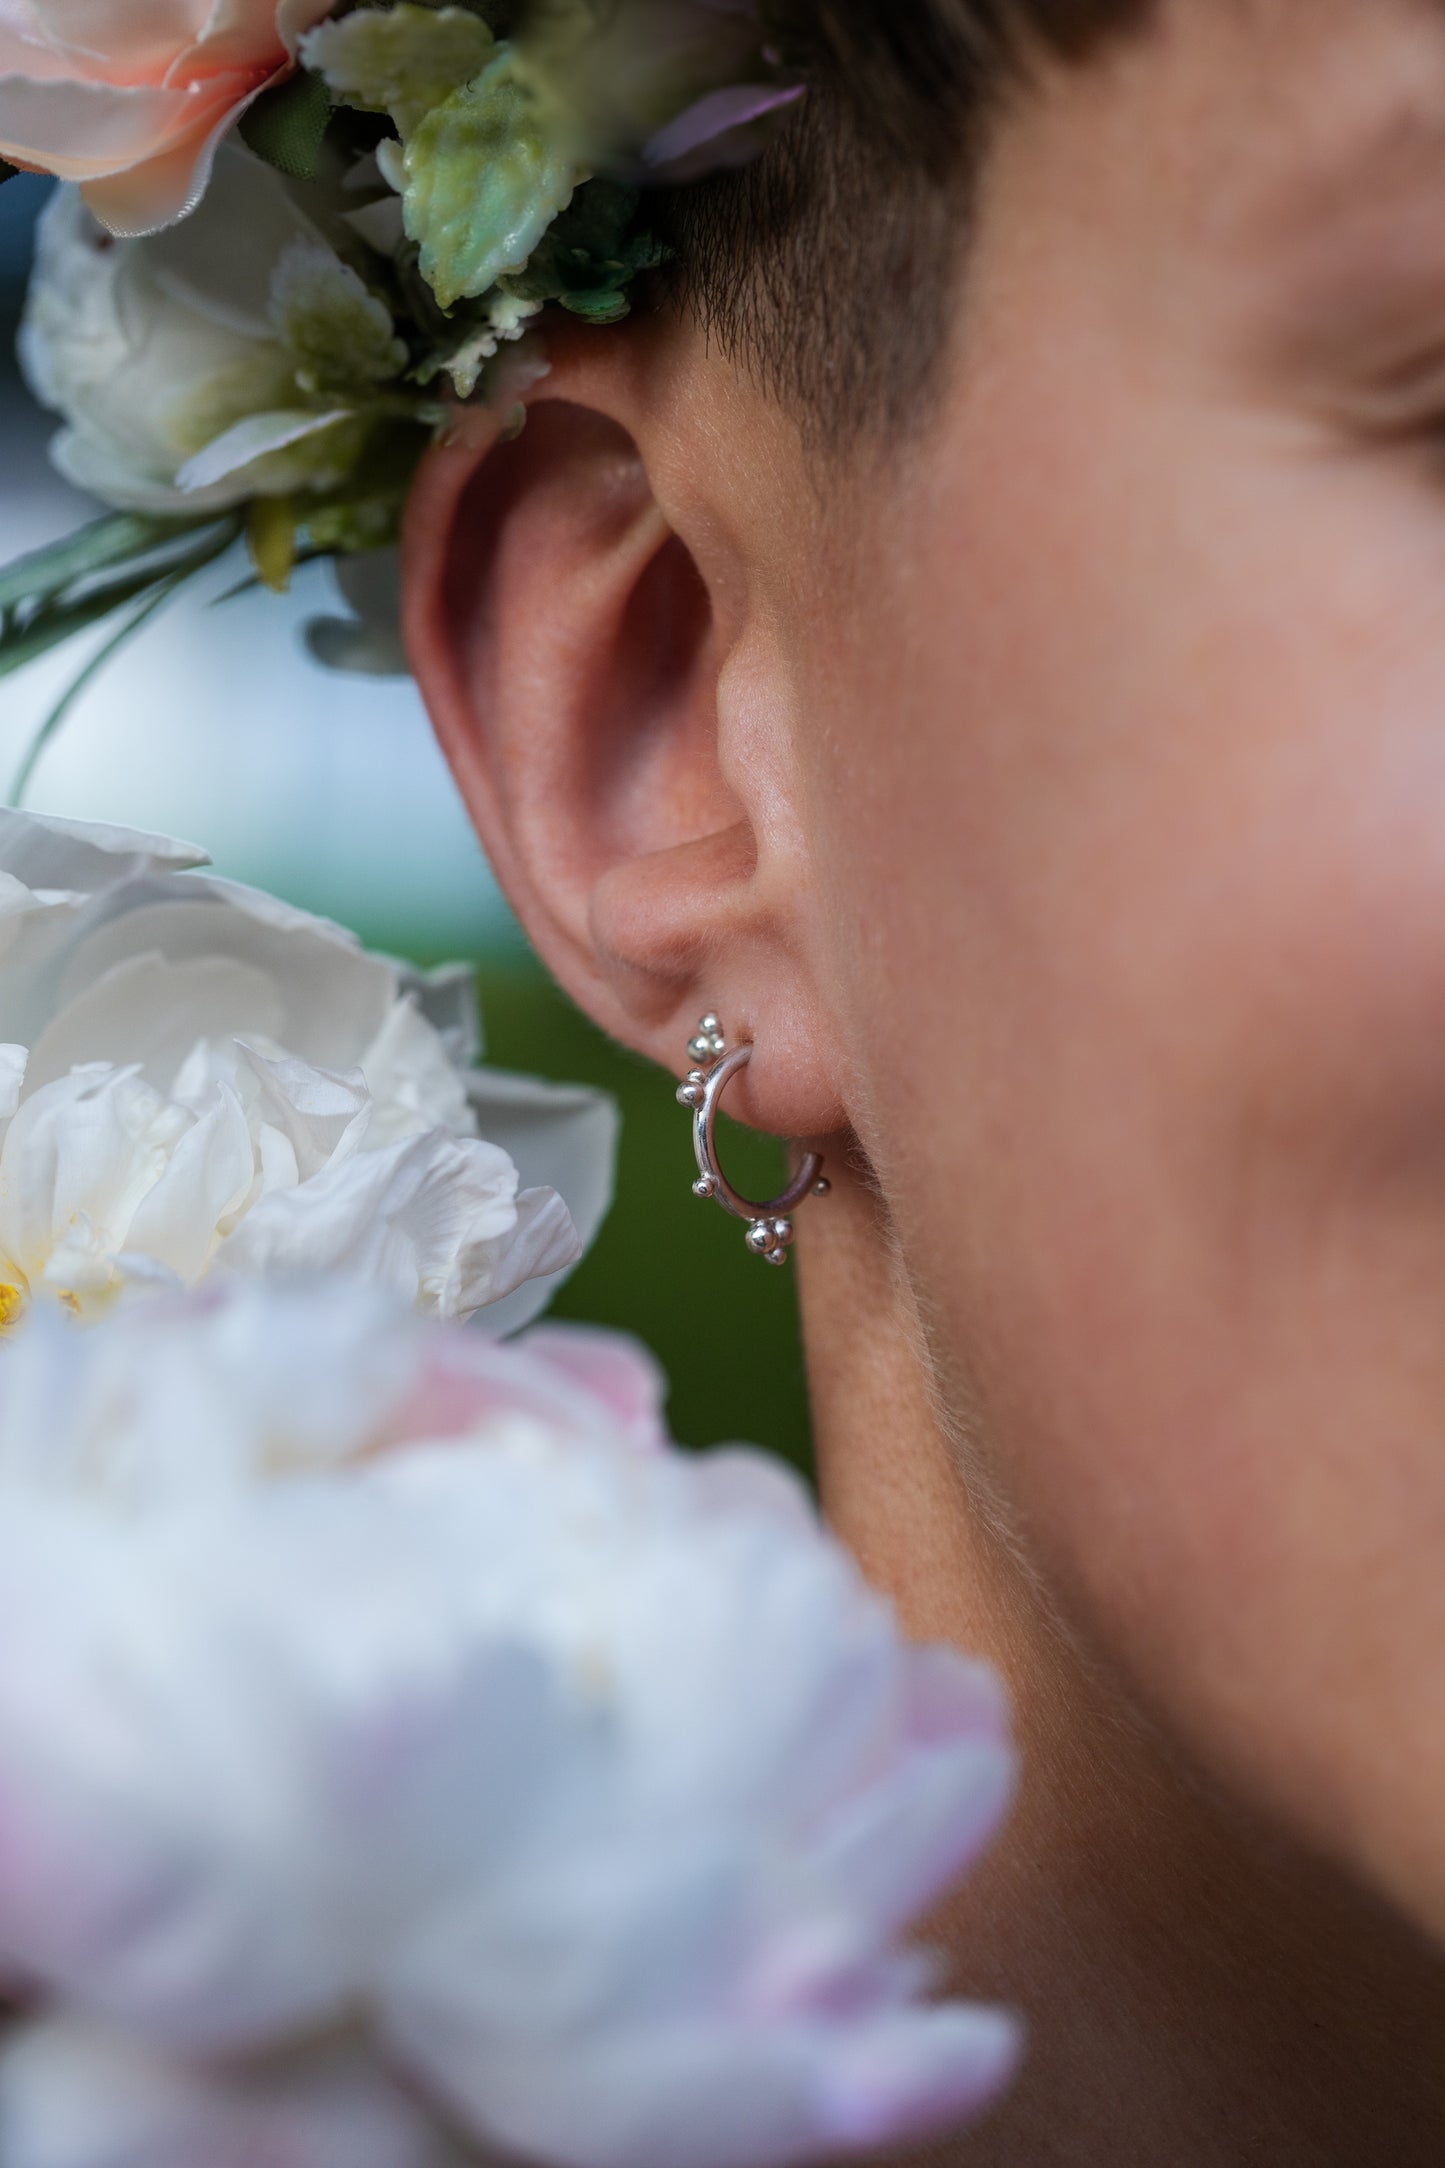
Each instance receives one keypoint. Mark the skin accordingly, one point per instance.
(1059, 803)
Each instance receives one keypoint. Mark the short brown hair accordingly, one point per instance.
(828, 266)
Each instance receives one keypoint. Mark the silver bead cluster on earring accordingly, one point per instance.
(770, 1232)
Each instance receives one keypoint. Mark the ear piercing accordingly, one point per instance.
(770, 1226)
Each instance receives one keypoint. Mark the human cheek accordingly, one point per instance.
(1154, 1011)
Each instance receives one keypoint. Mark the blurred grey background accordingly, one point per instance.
(216, 725)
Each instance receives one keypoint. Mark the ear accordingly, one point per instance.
(615, 705)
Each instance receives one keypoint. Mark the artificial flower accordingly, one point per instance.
(131, 101)
(645, 87)
(495, 136)
(368, 639)
(195, 1078)
(74, 2094)
(395, 1732)
(231, 358)
(373, 244)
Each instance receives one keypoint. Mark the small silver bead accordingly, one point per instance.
(690, 1095)
(822, 1187)
(697, 1076)
(777, 1257)
(710, 1026)
(760, 1239)
(783, 1230)
(700, 1049)
(717, 1044)
(705, 1188)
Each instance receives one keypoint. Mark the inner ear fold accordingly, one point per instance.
(652, 753)
(585, 636)
(622, 770)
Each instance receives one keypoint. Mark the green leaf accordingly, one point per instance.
(26, 644)
(93, 550)
(366, 513)
(485, 180)
(343, 339)
(402, 60)
(590, 255)
(286, 126)
(598, 308)
(25, 640)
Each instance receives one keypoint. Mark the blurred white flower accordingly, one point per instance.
(368, 639)
(401, 1750)
(185, 364)
(199, 1079)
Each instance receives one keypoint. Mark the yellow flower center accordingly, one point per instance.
(12, 1302)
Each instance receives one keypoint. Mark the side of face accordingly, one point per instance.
(1133, 886)
(1063, 808)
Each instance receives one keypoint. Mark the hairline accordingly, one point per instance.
(832, 270)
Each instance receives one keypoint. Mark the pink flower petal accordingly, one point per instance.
(132, 100)
(617, 1372)
(719, 129)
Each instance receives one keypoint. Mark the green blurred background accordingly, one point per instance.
(328, 790)
(666, 1267)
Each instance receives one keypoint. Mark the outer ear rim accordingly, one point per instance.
(429, 524)
(437, 502)
(439, 491)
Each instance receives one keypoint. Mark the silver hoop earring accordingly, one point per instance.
(770, 1226)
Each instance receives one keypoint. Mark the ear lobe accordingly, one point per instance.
(566, 645)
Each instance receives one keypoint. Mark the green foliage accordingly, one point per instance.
(342, 338)
(505, 157)
(485, 179)
(287, 126)
(402, 60)
(89, 579)
(591, 255)
(366, 512)
(54, 594)
(32, 580)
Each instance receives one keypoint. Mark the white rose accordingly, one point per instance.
(173, 359)
(394, 1734)
(197, 1079)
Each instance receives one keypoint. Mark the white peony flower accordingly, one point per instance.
(405, 1757)
(195, 1078)
(232, 356)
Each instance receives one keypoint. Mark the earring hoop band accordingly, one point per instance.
(770, 1226)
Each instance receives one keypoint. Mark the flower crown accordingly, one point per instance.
(300, 241)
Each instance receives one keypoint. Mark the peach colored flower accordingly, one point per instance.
(131, 97)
